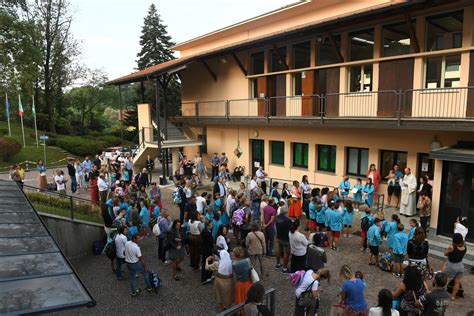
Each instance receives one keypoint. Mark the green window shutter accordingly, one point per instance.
(278, 152)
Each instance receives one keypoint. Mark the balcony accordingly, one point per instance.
(444, 108)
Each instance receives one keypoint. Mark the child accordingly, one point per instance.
(374, 239)
(344, 187)
(413, 226)
(132, 230)
(324, 197)
(365, 222)
(320, 216)
(347, 218)
(399, 249)
(335, 223)
(144, 217)
(312, 214)
(209, 214)
(327, 216)
(368, 192)
(216, 223)
(357, 193)
(156, 209)
(359, 275)
(391, 230)
(334, 195)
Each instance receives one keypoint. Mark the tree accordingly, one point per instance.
(155, 49)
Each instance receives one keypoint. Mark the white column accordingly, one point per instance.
(175, 159)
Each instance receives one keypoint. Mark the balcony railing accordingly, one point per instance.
(441, 103)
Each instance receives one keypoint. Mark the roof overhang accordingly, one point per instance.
(457, 153)
(174, 65)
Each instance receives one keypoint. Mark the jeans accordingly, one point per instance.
(80, 180)
(256, 210)
(181, 211)
(133, 269)
(161, 249)
(73, 184)
(424, 223)
(270, 234)
(150, 176)
(118, 269)
(215, 171)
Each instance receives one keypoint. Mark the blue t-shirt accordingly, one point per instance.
(373, 236)
(156, 211)
(400, 243)
(347, 218)
(209, 217)
(215, 227)
(144, 216)
(390, 231)
(312, 211)
(335, 221)
(411, 233)
(132, 230)
(354, 290)
(126, 176)
(321, 215)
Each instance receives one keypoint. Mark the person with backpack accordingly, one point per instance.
(399, 249)
(164, 223)
(374, 239)
(136, 264)
(365, 222)
(306, 285)
(119, 241)
(255, 242)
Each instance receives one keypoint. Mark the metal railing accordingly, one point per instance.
(69, 206)
(439, 103)
(268, 301)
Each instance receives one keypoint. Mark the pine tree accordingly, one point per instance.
(155, 49)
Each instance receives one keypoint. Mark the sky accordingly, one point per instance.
(109, 30)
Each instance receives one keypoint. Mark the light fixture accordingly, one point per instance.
(435, 144)
(255, 133)
(223, 60)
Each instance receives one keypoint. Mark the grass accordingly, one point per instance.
(54, 210)
(30, 152)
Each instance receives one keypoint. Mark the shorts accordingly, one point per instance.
(321, 225)
(284, 246)
(397, 191)
(374, 250)
(312, 224)
(398, 258)
(335, 234)
(347, 226)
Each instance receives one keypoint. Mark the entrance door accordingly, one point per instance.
(308, 102)
(257, 154)
(457, 197)
(425, 166)
(277, 93)
(262, 93)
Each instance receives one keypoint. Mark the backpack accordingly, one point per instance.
(365, 223)
(238, 217)
(296, 278)
(97, 247)
(155, 280)
(385, 263)
(156, 230)
(111, 249)
(176, 197)
(321, 240)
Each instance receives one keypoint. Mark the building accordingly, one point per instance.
(326, 88)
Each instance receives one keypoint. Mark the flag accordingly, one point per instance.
(33, 109)
(20, 107)
(7, 106)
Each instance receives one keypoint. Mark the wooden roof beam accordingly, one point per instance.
(209, 70)
(239, 63)
(280, 58)
(334, 45)
(411, 30)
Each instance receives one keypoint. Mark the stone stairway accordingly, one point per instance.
(438, 245)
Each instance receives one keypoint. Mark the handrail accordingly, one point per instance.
(45, 191)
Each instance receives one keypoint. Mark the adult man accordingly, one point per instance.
(128, 165)
(255, 242)
(150, 165)
(190, 208)
(97, 162)
(120, 241)
(60, 182)
(256, 197)
(136, 264)
(283, 225)
(260, 173)
(435, 302)
(220, 188)
(223, 160)
(103, 188)
(269, 227)
(408, 198)
(215, 166)
(142, 178)
(72, 174)
(201, 203)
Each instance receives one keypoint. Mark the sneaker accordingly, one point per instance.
(285, 270)
(207, 281)
(150, 290)
(135, 293)
(278, 266)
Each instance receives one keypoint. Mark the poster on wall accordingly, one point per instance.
(238, 151)
(424, 166)
(256, 164)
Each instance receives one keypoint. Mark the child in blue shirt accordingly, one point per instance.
(374, 240)
(399, 249)
(327, 215)
(368, 192)
(156, 209)
(335, 223)
(320, 217)
(370, 220)
(132, 230)
(391, 230)
(209, 214)
(344, 187)
(144, 217)
(312, 214)
(216, 223)
(413, 226)
(347, 218)
(358, 195)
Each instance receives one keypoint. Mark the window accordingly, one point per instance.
(444, 31)
(357, 161)
(360, 78)
(327, 158)
(327, 54)
(275, 63)
(302, 55)
(389, 158)
(298, 83)
(443, 72)
(254, 88)
(361, 45)
(300, 155)
(278, 152)
(257, 63)
(396, 39)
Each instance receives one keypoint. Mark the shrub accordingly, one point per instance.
(81, 146)
(3, 131)
(111, 140)
(9, 147)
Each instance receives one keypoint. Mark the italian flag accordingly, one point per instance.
(20, 107)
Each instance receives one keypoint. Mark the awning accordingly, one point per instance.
(35, 276)
(458, 153)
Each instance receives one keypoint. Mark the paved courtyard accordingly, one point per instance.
(188, 296)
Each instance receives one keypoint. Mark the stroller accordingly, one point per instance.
(238, 173)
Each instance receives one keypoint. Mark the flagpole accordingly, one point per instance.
(8, 114)
(34, 116)
(21, 118)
